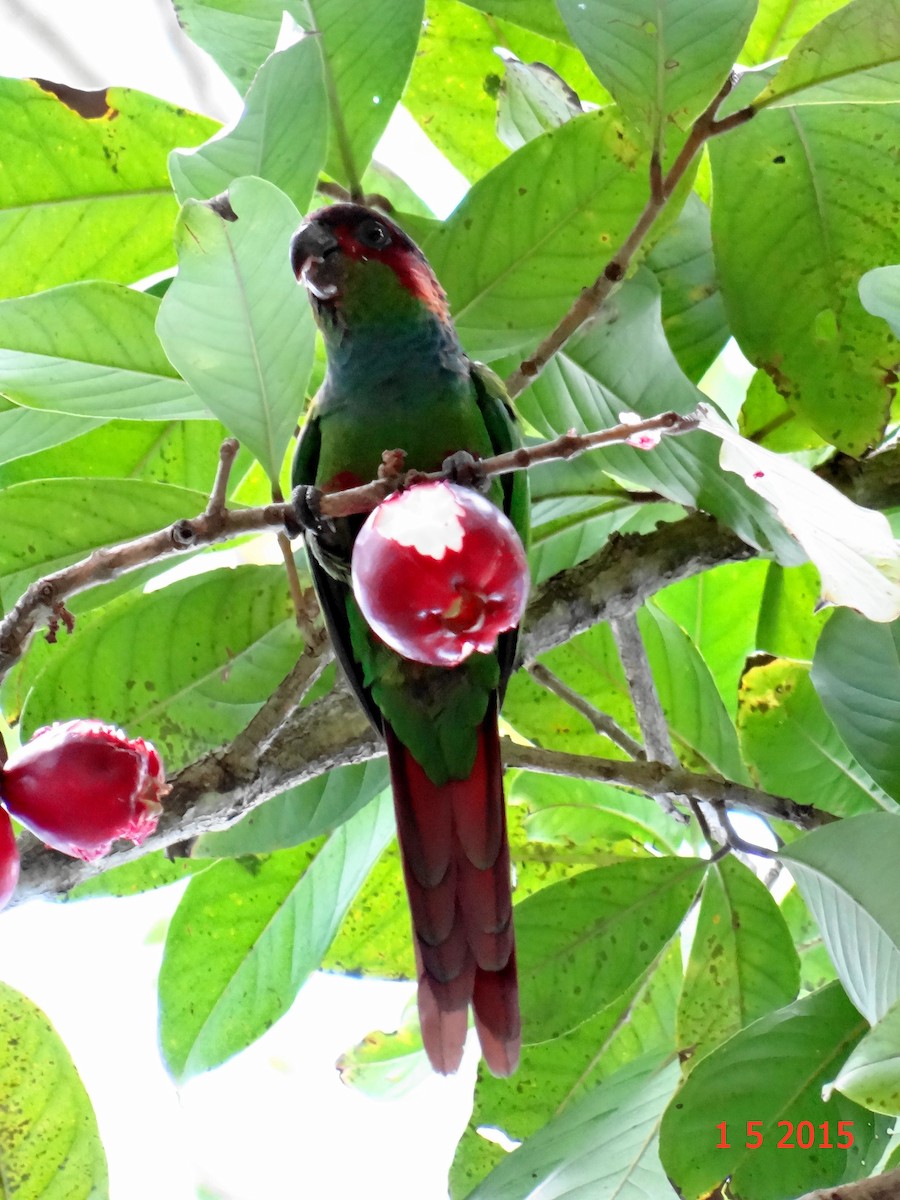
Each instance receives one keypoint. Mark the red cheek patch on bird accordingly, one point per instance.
(412, 272)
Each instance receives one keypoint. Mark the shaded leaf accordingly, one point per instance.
(871, 1075)
(23, 431)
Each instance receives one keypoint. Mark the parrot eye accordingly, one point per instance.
(373, 234)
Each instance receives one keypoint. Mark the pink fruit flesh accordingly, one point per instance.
(439, 573)
(79, 785)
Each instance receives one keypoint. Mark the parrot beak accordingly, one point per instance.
(310, 247)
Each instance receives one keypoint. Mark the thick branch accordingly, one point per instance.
(879, 1187)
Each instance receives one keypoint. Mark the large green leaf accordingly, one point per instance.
(235, 323)
(693, 314)
(249, 932)
(84, 190)
(856, 672)
(825, 172)
(663, 60)
(49, 523)
(24, 432)
(582, 942)
(848, 877)
(456, 75)
(853, 54)
(789, 622)
(694, 710)
(742, 964)
(535, 230)
(187, 666)
(604, 1145)
(281, 136)
(794, 750)
(308, 811)
(871, 1075)
(780, 24)
(91, 350)
(49, 1145)
(625, 364)
(535, 15)
(365, 49)
(770, 1072)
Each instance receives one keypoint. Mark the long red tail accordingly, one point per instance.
(456, 862)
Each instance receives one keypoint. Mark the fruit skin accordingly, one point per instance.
(9, 859)
(397, 377)
(80, 785)
(439, 573)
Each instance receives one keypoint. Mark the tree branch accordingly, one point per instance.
(879, 1187)
(592, 298)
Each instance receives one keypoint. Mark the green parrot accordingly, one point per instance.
(398, 377)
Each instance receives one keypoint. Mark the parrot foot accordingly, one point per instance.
(305, 515)
(467, 471)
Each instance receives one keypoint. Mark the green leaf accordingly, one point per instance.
(693, 313)
(879, 291)
(151, 662)
(536, 229)
(794, 750)
(374, 938)
(765, 418)
(694, 710)
(663, 62)
(234, 321)
(90, 349)
(742, 964)
(825, 174)
(771, 1072)
(387, 1066)
(816, 968)
(49, 523)
(852, 55)
(533, 99)
(847, 875)
(625, 364)
(536, 15)
(718, 611)
(270, 921)
(582, 942)
(49, 1145)
(871, 1075)
(142, 875)
(780, 24)
(288, 87)
(856, 672)
(603, 1146)
(456, 75)
(299, 814)
(24, 432)
(238, 34)
(84, 191)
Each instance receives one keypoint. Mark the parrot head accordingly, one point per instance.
(357, 265)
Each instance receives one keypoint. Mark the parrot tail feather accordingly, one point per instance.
(455, 856)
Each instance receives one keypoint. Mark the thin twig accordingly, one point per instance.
(656, 779)
(45, 599)
(600, 722)
(592, 298)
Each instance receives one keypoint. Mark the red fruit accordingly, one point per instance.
(79, 785)
(9, 859)
(438, 572)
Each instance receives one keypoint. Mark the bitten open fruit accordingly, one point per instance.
(9, 859)
(439, 572)
(79, 785)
